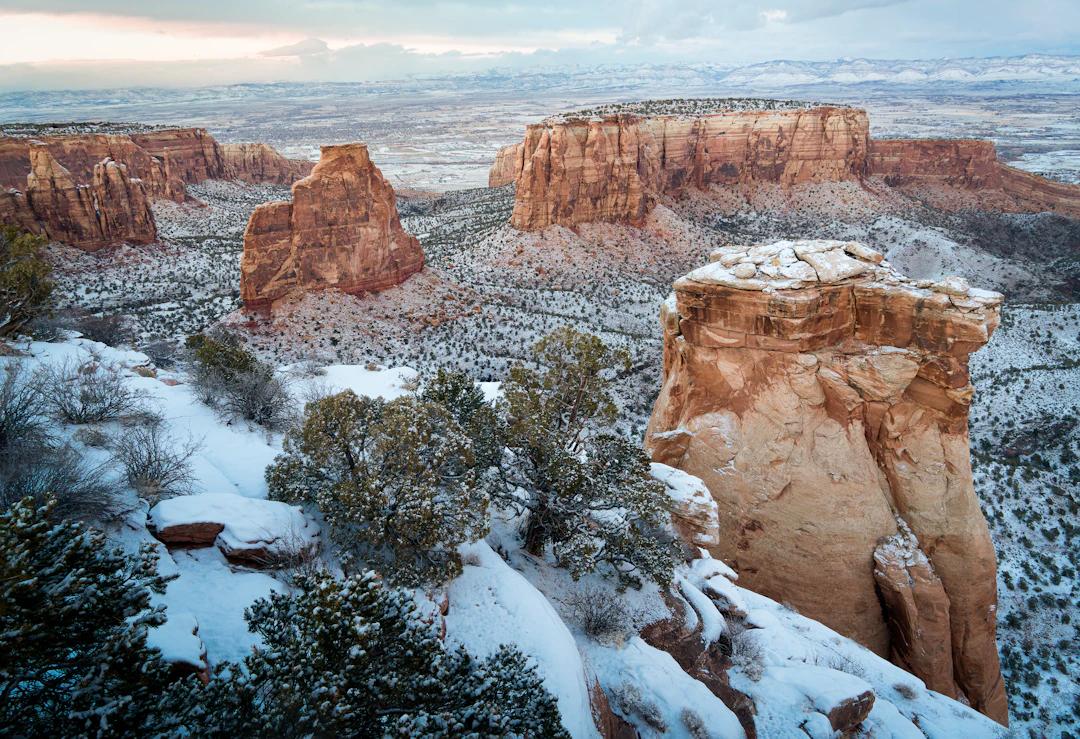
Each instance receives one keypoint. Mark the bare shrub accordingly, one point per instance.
(164, 354)
(39, 471)
(629, 701)
(599, 612)
(88, 393)
(21, 417)
(155, 466)
(694, 724)
(113, 330)
(906, 691)
(746, 653)
(228, 377)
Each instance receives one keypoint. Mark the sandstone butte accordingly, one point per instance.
(823, 399)
(613, 169)
(52, 185)
(341, 231)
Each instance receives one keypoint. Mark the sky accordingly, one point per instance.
(59, 44)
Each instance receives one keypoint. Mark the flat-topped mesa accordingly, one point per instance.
(612, 168)
(341, 231)
(823, 399)
(163, 161)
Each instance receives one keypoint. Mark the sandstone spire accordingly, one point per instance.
(823, 399)
(340, 231)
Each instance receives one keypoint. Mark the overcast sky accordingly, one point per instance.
(68, 43)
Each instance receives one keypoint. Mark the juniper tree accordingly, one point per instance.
(587, 493)
(395, 480)
(73, 620)
(25, 279)
(457, 393)
(356, 658)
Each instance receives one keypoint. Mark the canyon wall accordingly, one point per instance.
(113, 207)
(261, 163)
(613, 169)
(508, 162)
(823, 399)
(341, 231)
(163, 162)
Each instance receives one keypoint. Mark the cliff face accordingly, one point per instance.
(508, 162)
(261, 163)
(823, 399)
(609, 170)
(113, 208)
(580, 171)
(111, 211)
(340, 231)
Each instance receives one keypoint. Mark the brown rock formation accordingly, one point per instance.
(340, 231)
(821, 396)
(113, 208)
(917, 611)
(612, 169)
(577, 171)
(101, 206)
(508, 162)
(261, 163)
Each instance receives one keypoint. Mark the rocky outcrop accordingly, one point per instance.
(508, 162)
(917, 610)
(112, 211)
(261, 163)
(821, 397)
(612, 169)
(113, 208)
(341, 231)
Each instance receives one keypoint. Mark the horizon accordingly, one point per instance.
(109, 44)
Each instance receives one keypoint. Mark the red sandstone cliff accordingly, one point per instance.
(114, 207)
(823, 399)
(508, 162)
(341, 230)
(579, 171)
(261, 163)
(163, 162)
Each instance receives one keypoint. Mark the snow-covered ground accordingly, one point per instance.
(797, 672)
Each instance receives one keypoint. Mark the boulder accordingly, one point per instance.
(247, 530)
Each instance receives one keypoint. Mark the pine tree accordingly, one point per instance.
(73, 622)
(355, 658)
(588, 493)
(396, 482)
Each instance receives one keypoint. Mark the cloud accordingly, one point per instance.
(661, 20)
(307, 47)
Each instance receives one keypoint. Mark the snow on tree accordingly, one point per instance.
(73, 621)
(587, 493)
(356, 658)
(395, 480)
(457, 393)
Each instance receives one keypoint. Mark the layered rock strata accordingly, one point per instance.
(613, 169)
(261, 163)
(163, 162)
(113, 207)
(341, 231)
(822, 398)
(508, 162)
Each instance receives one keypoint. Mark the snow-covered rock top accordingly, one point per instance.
(681, 108)
(792, 265)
